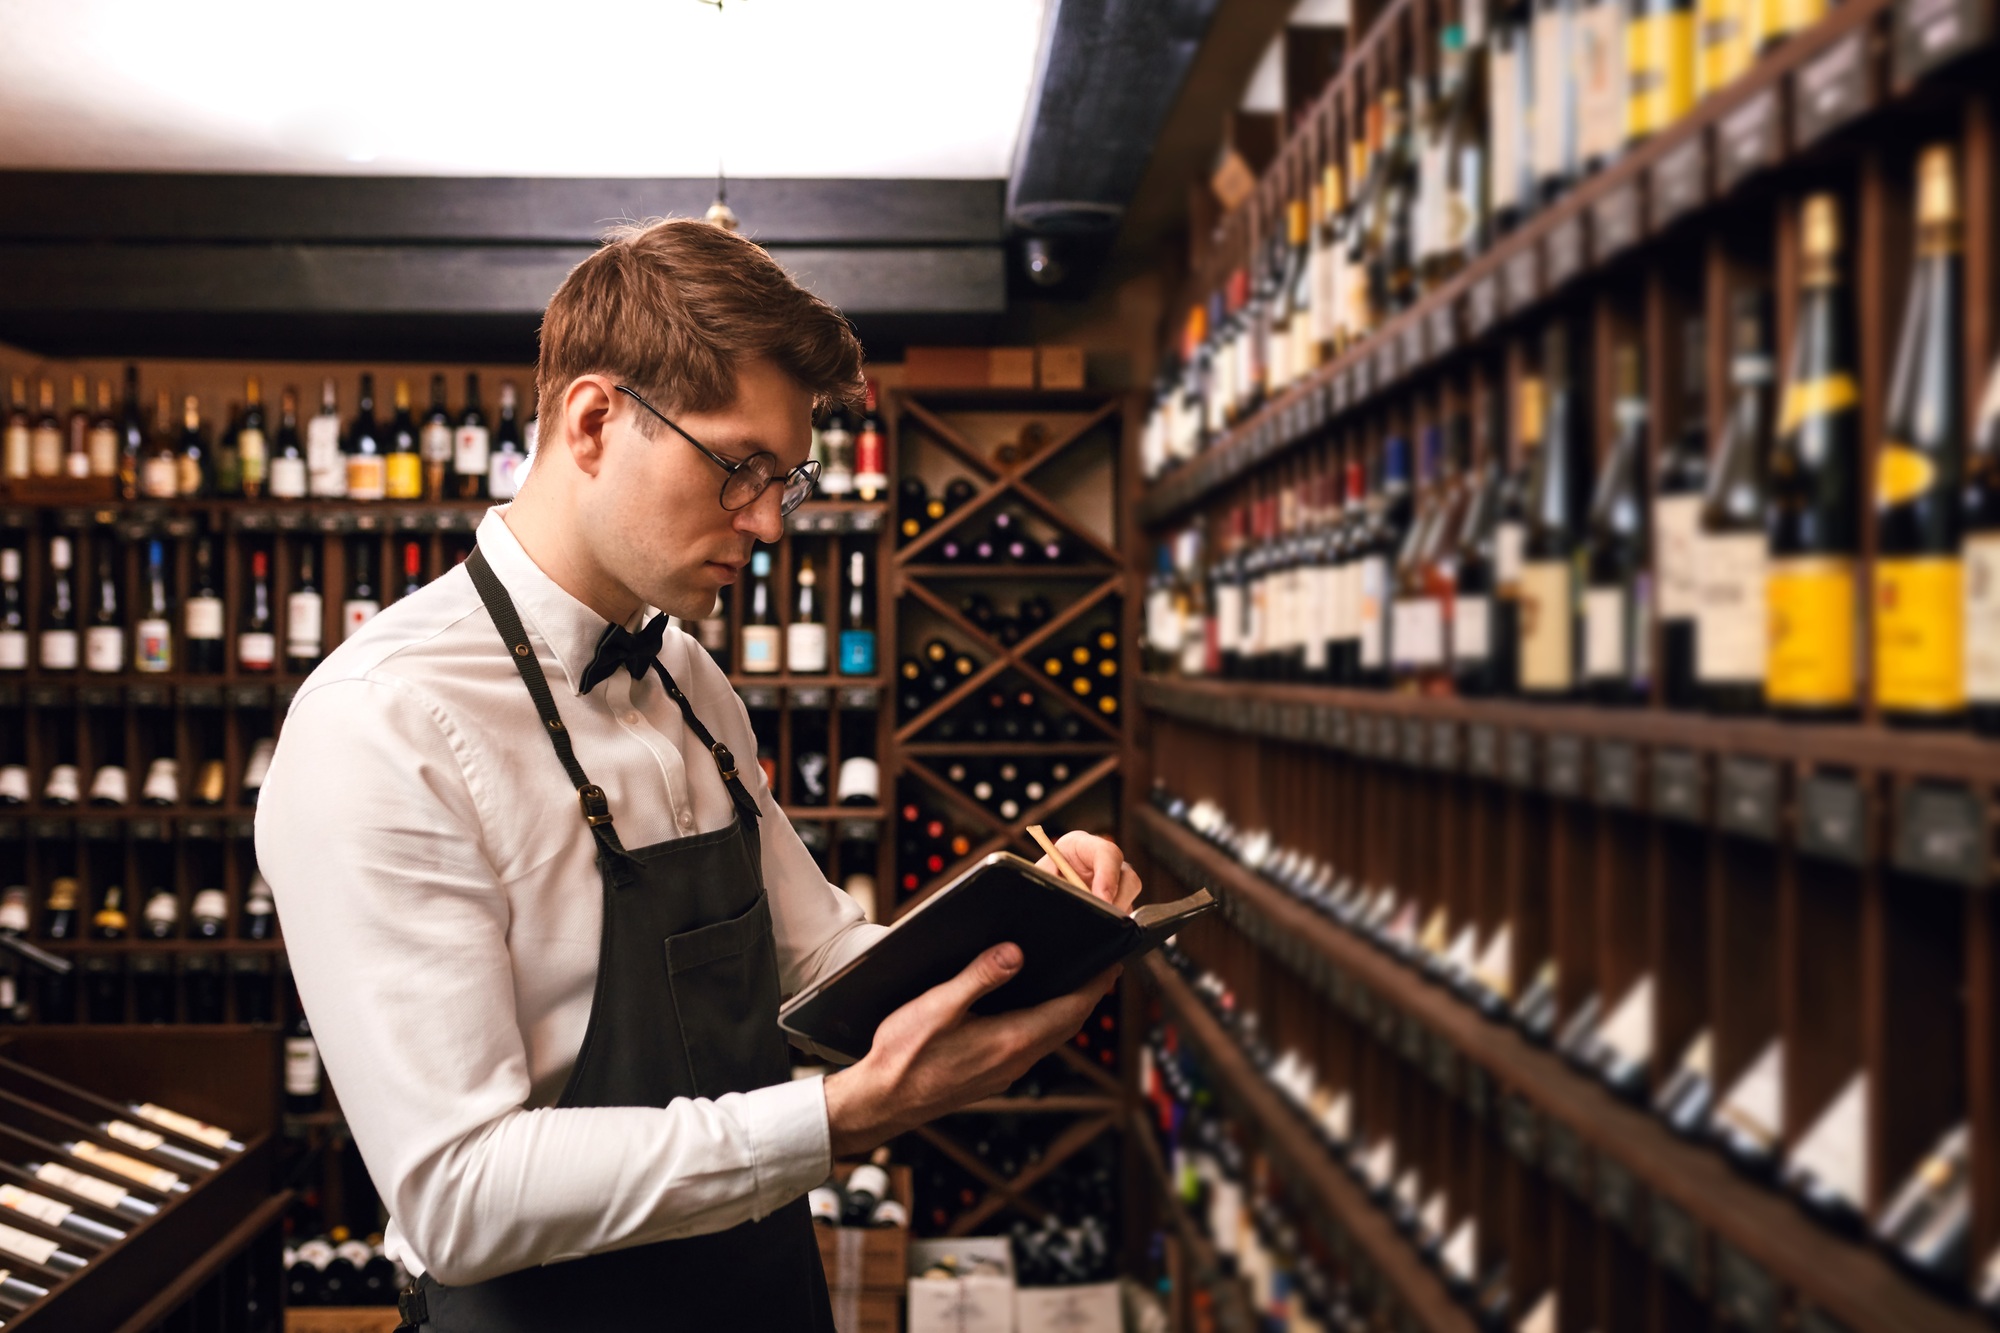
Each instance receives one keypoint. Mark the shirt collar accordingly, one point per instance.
(566, 625)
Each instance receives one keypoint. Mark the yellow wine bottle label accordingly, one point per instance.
(406, 476)
(1982, 617)
(1659, 53)
(1723, 51)
(1548, 622)
(1811, 605)
(1919, 633)
(1902, 474)
(1814, 398)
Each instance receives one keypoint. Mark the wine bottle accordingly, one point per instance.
(364, 596)
(1814, 472)
(160, 919)
(471, 444)
(59, 912)
(256, 632)
(160, 470)
(288, 456)
(1472, 647)
(13, 612)
(16, 456)
(1617, 604)
(109, 922)
(403, 469)
(1548, 596)
(225, 463)
(913, 502)
(1723, 50)
(1683, 474)
(208, 914)
(1598, 56)
(870, 453)
(1920, 474)
(365, 450)
(857, 629)
(1554, 120)
(60, 646)
(110, 785)
(305, 613)
(760, 620)
(104, 436)
(302, 1068)
(1389, 524)
(45, 443)
(805, 636)
(193, 460)
(713, 631)
(1982, 568)
(153, 635)
(510, 457)
(131, 438)
(1730, 557)
(1927, 1221)
(435, 439)
(413, 569)
(257, 768)
(1659, 48)
(836, 478)
(253, 458)
(260, 911)
(162, 786)
(76, 434)
(104, 638)
(203, 615)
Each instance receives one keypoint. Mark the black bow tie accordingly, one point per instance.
(620, 647)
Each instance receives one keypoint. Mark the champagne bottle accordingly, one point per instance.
(805, 636)
(288, 456)
(252, 448)
(366, 452)
(154, 634)
(256, 634)
(204, 614)
(436, 442)
(471, 444)
(1919, 477)
(509, 456)
(104, 639)
(1618, 621)
(1732, 629)
(1814, 520)
(1683, 473)
(1982, 571)
(760, 619)
(305, 613)
(60, 645)
(403, 469)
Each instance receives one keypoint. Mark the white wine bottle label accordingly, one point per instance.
(435, 442)
(1833, 1154)
(305, 615)
(204, 618)
(103, 451)
(71, 1181)
(16, 453)
(254, 455)
(38, 1206)
(760, 648)
(301, 1067)
(1509, 540)
(1371, 611)
(160, 477)
(45, 449)
(21, 1245)
(805, 647)
(13, 650)
(1495, 969)
(505, 470)
(143, 1139)
(256, 650)
(1503, 110)
(154, 640)
(1731, 641)
(326, 466)
(1471, 629)
(1604, 634)
(1548, 627)
(104, 648)
(1228, 615)
(1554, 116)
(471, 451)
(1676, 529)
(152, 1177)
(1982, 616)
(1418, 634)
(59, 650)
(288, 478)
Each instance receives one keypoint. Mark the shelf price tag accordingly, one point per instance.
(1679, 181)
(1482, 750)
(1568, 1161)
(1678, 1245)
(1941, 834)
(1444, 745)
(1930, 33)
(1619, 1200)
(1617, 772)
(1833, 819)
(1749, 796)
(250, 696)
(859, 696)
(1562, 771)
(1520, 758)
(809, 696)
(1746, 1293)
(1832, 89)
(1678, 786)
(1564, 251)
(758, 696)
(1748, 140)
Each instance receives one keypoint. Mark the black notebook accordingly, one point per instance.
(1067, 936)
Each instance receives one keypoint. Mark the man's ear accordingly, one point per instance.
(587, 405)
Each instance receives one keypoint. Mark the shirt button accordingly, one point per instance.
(687, 822)
(631, 719)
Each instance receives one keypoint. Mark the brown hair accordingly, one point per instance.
(671, 305)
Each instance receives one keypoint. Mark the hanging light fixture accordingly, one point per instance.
(720, 214)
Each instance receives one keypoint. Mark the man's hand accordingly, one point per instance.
(1101, 864)
(933, 1056)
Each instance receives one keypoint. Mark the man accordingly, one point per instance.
(539, 910)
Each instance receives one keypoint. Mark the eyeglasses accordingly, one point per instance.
(753, 476)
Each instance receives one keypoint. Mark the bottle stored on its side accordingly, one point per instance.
(1683, 474)
(1617, 603)
(1982, 564)
(1919, 602)
(203, 614)
(1814, 477)
(1732, 631)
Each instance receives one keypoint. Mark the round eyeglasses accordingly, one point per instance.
(752, 476)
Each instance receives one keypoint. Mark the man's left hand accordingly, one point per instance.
(1101, 865)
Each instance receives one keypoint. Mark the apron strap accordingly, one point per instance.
(725, 762)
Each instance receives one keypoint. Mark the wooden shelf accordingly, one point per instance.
(1232, 1303)
(1852, 1282)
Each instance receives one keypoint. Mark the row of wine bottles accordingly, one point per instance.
(1443, 155)
(70, 914)
(1748, 563)
(340, 1269)
(797, 640)
(1924, 1220)
(110, 786)
(154, 986)
(1011, 785)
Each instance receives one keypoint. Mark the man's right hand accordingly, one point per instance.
(933, 1055)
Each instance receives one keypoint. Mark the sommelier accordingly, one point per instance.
(540, 903)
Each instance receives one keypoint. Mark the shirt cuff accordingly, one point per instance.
(789, 1139)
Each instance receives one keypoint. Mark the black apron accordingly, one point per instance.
(686, 1005)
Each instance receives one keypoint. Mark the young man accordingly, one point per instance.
(539, 910)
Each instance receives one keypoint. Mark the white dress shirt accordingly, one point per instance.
(442, 907)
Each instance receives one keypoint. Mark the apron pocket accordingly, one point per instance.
(725, 983)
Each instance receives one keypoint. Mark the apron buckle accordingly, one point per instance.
(724, 760)
(411, 1305)
(596, 809)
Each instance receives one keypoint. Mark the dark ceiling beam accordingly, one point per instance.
(138, 206)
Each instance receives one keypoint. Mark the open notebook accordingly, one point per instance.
(1067, 936)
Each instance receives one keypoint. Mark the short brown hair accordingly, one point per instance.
(670, 305)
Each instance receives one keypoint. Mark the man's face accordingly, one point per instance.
(660, 527)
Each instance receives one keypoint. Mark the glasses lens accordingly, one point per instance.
(746, 483)
(799, 485)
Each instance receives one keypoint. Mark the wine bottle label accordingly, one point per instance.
(504, 483)
(1730, 642)
(59, 650)
(1982, 616)
(102, 451)
(404, 477)
(110, 786)
(301, 1067)
(1604, 634)
(1471, 629)
(160, 477)
(104, 648)
(71, 1181)
(45, 448)
(435, 442)
(760, 648)
(204, 618)
(305, 615)
(21, 1245)
(16, 453)
(356, 612)
(1823, 397)
(1509, 540)
(1833, 1154)
(1676, 530)
(1659, 54)
(805, 647)
(1812, 641)
(1601, 94)
(1541, 1319)
(1371, 611)
(38, 1206)
(187, 476)
(1919, 636)
(367, 477)
(288, 478)
(1722, 45)
(152, 1177)
(1228, 615)
(252, 456)
(256, 650)
(163, 782)
(186, 1125)
(209, 905)
(1548, 627)
(1503, 110)
(471, 451)
(1553, 120)
(1418, 634)
(857, 652)
(326, 467)
(13, 650)
(145, 1140)
(154, 639)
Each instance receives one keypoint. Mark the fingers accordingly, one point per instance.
(1129, 887)
(988, 972)
(1098, 859)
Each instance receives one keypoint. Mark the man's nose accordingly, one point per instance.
(763, 518)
